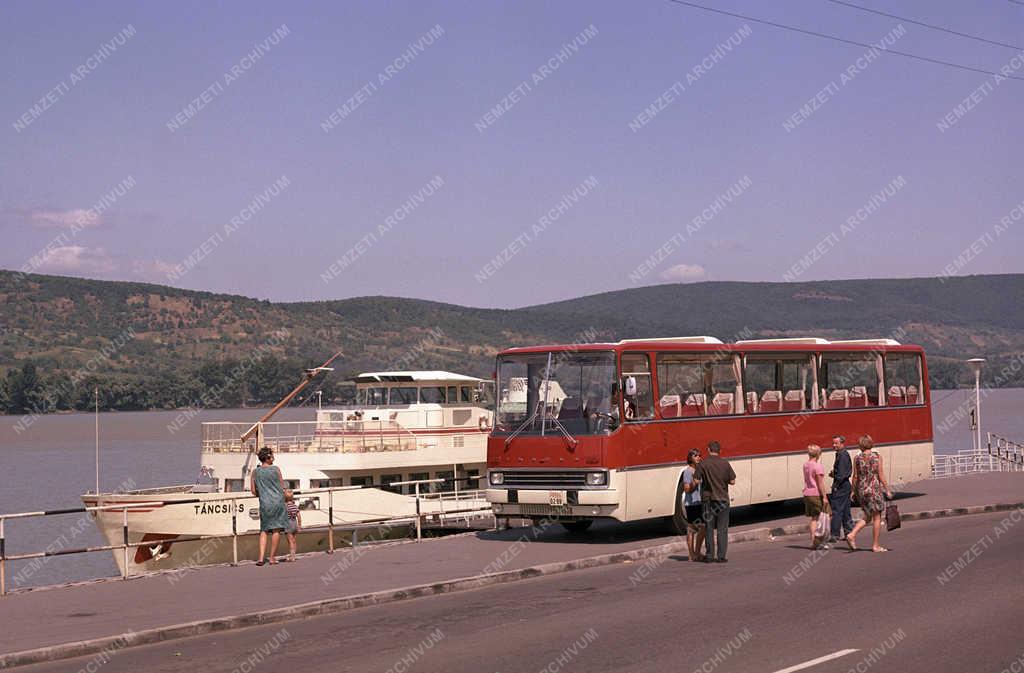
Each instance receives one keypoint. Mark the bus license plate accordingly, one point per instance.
(556, 498)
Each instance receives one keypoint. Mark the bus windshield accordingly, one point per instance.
(579, 393)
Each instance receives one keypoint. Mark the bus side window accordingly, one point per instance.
(903, 379)
(762, 393)
(640, 405)
(850, 380)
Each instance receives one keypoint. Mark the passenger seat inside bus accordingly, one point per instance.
(838, 399)
(771, 401)
(793, 401)
(751, 402)
(570, 409)
(670, 406)
(858, 396)
(897, 396)
(696, 405)
(721, 404)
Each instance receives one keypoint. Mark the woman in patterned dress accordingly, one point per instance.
(872, 488)
(268, 485)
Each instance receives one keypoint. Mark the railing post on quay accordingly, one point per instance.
(330, 521)
(3, 559)
(419, 527)
(234, 532)
(124, 529)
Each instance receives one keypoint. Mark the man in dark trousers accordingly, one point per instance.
(842, 468)
(715, 475)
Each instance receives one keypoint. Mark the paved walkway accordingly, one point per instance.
(46, 617)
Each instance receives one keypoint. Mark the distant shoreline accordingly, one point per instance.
(267, 407)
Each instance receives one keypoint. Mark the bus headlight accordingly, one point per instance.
(497, 478)
(597, 478)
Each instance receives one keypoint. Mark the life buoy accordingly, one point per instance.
(483, 424)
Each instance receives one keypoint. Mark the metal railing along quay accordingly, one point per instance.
(464, 496)
(999, 455)
(1007, 451)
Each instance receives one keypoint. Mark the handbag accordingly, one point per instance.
(823, 526)
(892, 516)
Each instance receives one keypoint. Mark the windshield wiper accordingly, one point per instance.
(543, 404)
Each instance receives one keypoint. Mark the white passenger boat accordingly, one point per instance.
(405, 426)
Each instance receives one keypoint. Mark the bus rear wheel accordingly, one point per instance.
(677, 522)
(576, 526)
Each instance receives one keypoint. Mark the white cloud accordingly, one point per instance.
(155, 269)
(682, 273)
(55, 219)
(77, 259)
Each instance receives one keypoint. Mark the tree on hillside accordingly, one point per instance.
(23, 389)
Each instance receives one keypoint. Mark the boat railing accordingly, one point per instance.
(428, 506)
(346, 436)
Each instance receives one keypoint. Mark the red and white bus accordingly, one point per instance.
(593, 431)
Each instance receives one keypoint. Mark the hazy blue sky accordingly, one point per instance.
(571, 82)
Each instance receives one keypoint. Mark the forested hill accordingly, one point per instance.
(150, 346)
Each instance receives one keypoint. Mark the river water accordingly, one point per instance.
(49, 464)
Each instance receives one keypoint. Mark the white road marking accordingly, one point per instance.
(815, 662)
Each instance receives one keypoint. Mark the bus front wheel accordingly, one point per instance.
(576, 526)
(677, 522)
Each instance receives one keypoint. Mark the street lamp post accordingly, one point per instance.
(976, 365)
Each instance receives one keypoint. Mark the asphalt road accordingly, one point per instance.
(761, 612)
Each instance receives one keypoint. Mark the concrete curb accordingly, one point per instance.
(106, 646)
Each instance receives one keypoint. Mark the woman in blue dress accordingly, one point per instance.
(268, 486)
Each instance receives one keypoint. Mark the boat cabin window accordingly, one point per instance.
(773, 384)
(387, 479)
(903, 384)
(361, 481)
(466, 394)
(234, 485)
(404, 395)
(447, 485)
(638, 397)
(417, 476)
(453, 394)
(373, 397)
(432, 394)
(850, 381)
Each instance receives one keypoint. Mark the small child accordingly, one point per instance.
(294, 521)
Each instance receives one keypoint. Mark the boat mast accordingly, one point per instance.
(309, 375)
(96, 418)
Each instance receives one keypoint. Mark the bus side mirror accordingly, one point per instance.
(630, 386)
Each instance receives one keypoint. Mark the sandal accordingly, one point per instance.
(259, 563)
(880, 550)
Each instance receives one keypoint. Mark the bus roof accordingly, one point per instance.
(699, 345)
